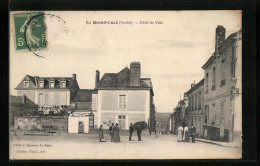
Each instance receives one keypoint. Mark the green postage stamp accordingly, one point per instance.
(30, 31)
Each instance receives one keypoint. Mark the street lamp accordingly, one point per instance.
(234, 91)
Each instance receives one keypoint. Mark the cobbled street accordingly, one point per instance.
(87, 146)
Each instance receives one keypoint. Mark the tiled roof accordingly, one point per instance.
(195, 86)
(83, 95)
(86, 106)
(18, 100)
(119, 80)
(83, 98)
(35, 82)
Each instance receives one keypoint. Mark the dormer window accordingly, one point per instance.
(62, 84)
(41, 83)
(51, 84)
(26, 84)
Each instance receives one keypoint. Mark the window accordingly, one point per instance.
(223, 70)
(122, 102)
(121, 116)
(206, 113)
(213, 78)
(52, 84)
(214, 113)
(41, 84)
(233, 61)
(51, 98)
(41, 99)
(207, 82)
(196, 102)
(222, 114)
(199, 101)
(189, 103)
(26, 84)
(62, 99)
(62, 84)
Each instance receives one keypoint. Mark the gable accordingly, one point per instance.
(119, 80)
(31, 81)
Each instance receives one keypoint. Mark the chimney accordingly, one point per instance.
(97, 78)
(185, 95)
(193, 84)
(135, 73)
(147, 81)
(220, 37)
(23, 99)
(74, 76)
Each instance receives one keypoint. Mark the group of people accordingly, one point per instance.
(114, 131)
(184, 134)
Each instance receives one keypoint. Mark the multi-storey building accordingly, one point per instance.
(124, 98)
(179, 115)
(48, 91)
(195, 113)
(223, 88)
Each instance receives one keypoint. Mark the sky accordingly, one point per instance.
(171, 54)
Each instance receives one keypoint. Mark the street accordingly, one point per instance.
(87, 146)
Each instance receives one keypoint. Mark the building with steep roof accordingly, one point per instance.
(223, 88)
(124, 98)
(179, 115)
(48, 91)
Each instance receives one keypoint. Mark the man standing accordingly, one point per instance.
(131, 130)
(193, 133)
(139, 130)
(111, 131)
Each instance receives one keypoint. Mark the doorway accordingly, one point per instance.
(122, 121)
(81, 127)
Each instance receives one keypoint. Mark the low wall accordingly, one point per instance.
(37, 122)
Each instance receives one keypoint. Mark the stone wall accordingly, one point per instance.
(58, 123)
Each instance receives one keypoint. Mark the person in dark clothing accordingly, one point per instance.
(131, 130)
(101, 134)
(139, 130)
(116, 134)
(111, 131)
(193, 133)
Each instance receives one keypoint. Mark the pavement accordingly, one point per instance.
(224, 144)
(218, 143)
(87, 146)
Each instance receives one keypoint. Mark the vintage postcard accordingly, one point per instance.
(125, 85)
